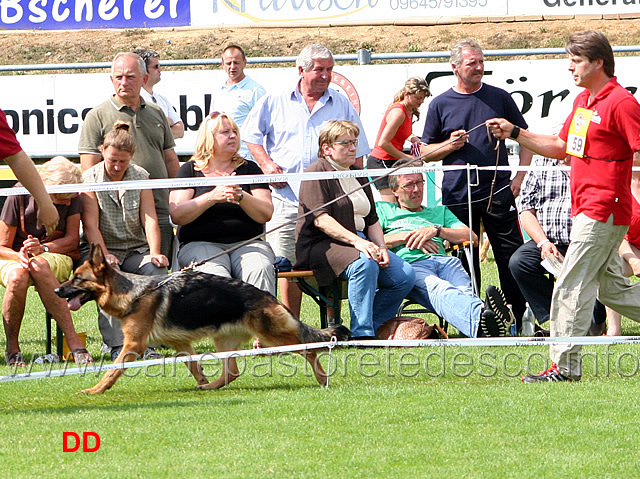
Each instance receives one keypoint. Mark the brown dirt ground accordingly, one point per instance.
(100, 45)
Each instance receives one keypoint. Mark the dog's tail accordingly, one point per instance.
(308, 334)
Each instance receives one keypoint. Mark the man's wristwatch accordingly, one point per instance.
(515, 132)
(438, 230)
(45, 248)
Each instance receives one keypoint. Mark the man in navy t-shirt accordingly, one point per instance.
(470, 103)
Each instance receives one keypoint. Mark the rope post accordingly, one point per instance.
(472, 271)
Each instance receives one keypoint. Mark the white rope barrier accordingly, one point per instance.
(253, 179)
(96, 369)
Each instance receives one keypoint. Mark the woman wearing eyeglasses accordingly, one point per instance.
(214, 219)
(396, 128)
(345, 239)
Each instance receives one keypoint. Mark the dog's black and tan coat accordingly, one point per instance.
(183, 307)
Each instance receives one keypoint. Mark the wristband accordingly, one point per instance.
(546, 240)
(515, 132)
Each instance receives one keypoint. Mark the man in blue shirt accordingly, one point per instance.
(282, 133)
(470, 103)
(416, 234)
(238, 95)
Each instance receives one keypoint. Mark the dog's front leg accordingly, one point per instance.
(313, 360)
(128, 353)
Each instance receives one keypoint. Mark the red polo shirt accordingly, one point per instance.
(8, 142)
(600, 186)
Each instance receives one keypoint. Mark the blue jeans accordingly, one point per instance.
(370, 307)
(443, 286)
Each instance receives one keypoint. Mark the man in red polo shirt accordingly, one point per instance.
(12, 153)
(601, 137)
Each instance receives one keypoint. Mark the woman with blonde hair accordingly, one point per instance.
(29, 256)
(214, 219)
(395, 129)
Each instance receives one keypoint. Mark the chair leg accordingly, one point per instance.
(59, 336)
(48, 318)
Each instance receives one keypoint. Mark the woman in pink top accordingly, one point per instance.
(395, 129)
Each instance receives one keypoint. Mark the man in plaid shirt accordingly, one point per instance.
(545, 214)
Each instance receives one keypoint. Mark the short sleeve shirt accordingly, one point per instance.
(600, 180)
(11, 216)
(394, 219)
(151, 134)
(223, 222)
(289, 132)
(547, 192)
(120, 223)
(9, 144)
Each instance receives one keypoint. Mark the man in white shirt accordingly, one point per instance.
(152, 61)
(239, 93)
(282, 132)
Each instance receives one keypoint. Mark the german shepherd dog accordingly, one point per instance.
(185, 306)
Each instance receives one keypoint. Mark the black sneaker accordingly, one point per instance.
(551, 375)
(490, 325)
(496, 302)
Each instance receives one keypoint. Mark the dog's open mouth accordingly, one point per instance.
(76, 300)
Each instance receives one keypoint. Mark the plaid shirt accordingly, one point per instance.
(547, 193)
(120, 223)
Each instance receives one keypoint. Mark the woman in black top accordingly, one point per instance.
(212, 219)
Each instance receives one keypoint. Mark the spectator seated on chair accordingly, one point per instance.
(416, 233)
(344, 238)
(123, 223)
(214, 219)
(29, 257)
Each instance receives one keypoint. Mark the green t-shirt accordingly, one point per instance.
(394, 219)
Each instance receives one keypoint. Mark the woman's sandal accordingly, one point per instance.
(82, 356)
(14, 360)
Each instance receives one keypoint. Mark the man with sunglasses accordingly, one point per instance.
(154, 71)
(416, 233)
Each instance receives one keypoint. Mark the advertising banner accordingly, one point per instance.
(75, 14)
(282, 12)
(47, 110)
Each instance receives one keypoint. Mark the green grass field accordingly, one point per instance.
(443, 412)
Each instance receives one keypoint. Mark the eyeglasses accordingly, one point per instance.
(347, 142)
(411, 186)
(214, 114)
(155, 67)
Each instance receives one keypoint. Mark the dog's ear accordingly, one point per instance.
(97, 256)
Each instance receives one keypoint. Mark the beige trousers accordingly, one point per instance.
(592, 268)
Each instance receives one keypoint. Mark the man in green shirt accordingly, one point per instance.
(149, 127)
(416, 234)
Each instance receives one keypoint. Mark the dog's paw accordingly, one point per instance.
(92, 390)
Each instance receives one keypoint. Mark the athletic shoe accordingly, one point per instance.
(552, 375)
(490, 325)
(496, 302)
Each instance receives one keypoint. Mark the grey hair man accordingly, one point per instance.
(153, 138)
(468, 103)
(282, 132)
(154, 71)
